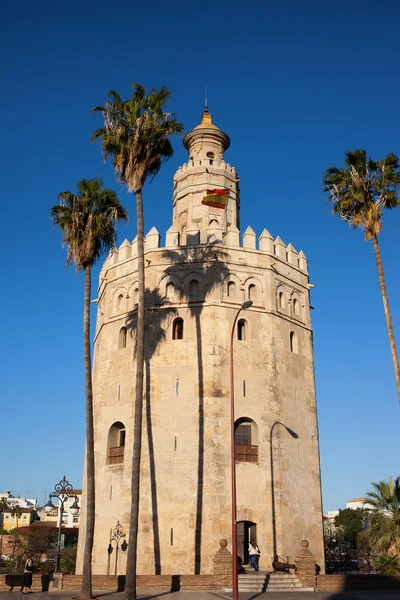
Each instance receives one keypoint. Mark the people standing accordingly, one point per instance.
(254, 553)
(28, 574)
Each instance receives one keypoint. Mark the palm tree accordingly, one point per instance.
(384, 505)
(136, 135)
(88, 221)
(359, 193)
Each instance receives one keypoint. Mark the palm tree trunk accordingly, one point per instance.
(86, 585)
(386, 309)
(130, 584)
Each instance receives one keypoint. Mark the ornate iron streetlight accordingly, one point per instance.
(116, 535)
(62, 490)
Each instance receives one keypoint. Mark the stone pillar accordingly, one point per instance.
(305, 563)
(223, 562)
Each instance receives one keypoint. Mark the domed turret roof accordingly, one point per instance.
(206, 121)
(206, 130)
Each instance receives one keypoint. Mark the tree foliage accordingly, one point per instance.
(359, 193)
(136, 134)
(87, 220)
(363, 189)
(384, 501)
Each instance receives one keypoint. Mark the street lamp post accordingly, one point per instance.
(62, 490)
(245, 304)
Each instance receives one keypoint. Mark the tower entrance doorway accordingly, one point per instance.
(245, 531)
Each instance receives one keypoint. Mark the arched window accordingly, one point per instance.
(252, 291)
(194, 288)
(246, 442)
(120, 301)
(281, 300)
(135, 296)
(293, 342)
(170, 290)
(231, 291)
(122, 337)
(295, 307)
(116, 444)
(177, 329)
(210, 156)
(242, 330)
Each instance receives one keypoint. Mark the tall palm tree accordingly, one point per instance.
(359, 193)
(384, 505)
(136, 136)
(88, 220)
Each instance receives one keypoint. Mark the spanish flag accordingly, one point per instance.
(216, 198)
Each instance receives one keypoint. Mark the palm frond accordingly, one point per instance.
(363, 189)
(136, 134)
(88, 221)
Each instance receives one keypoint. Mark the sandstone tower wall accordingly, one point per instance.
(201, 276)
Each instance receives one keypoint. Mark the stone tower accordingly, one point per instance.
(195, 285)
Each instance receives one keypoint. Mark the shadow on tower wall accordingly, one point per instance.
(208, 261)
(154, 335)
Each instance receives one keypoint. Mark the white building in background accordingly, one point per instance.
(357, 503)
(69, 520)
(18, 501)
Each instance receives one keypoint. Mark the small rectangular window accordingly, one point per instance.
(122, 437)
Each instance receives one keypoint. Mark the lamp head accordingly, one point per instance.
(74, 508)
(49, 506)
(247, 304)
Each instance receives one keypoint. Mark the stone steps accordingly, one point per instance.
(270, 582)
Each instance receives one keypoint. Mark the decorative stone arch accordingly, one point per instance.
(122, 338)
(232, 289)
(243, 330)
(282, 298)
(246, 440)
(169, 289)
(191, 291)
(254, 290)
(119, 301)
(296, 302)
(133, 295)
(116, 443)
(177, 328)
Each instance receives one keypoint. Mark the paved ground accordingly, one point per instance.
(384, 595)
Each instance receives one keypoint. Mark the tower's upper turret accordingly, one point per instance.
(205, 171)
(206, 140)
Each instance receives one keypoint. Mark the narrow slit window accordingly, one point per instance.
(252, 291)
(177, 329)
(122, 337)
(193, 288)
(293, 342)
(242, 330)
(295, 307)
(281, 300)
(231, 289)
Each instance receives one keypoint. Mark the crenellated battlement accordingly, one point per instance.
(265, 244)
(212, 165)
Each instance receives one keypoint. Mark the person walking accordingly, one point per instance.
(254, 553)
(28, 574)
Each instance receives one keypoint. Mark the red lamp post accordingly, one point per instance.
(246, 304)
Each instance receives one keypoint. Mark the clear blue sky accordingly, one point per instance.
(295, 85)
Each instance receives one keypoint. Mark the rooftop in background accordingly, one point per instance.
(22, 502)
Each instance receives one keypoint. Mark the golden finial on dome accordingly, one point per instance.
(206, 120)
